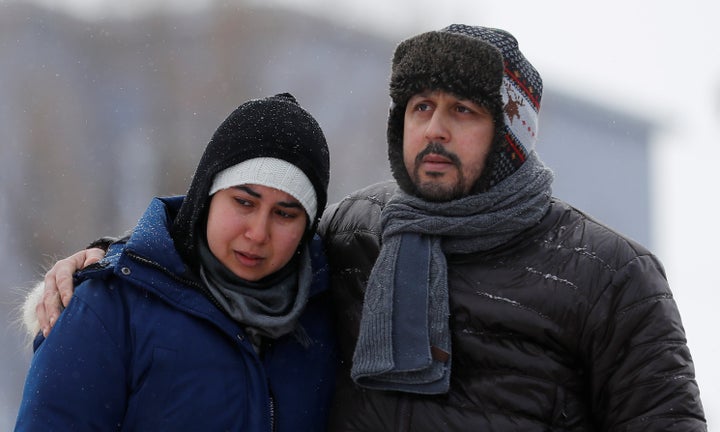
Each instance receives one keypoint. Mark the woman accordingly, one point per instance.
(213, 315)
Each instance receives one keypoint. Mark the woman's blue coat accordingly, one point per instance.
(140, 347)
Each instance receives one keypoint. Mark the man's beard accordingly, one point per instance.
(433, 191)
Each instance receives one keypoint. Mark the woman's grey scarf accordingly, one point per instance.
(404, 340)
(269, 308)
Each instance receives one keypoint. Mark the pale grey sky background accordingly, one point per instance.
(653, 59)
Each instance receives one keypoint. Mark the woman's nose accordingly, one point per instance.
(257, 229)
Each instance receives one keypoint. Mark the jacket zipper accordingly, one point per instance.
(272, 414)
(200, 287)
(404, 415)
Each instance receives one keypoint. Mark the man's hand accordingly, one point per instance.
(59, 286)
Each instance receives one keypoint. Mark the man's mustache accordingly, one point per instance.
(438, 149)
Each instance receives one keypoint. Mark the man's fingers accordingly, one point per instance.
(49, 308)
(63, 271)
(92, 256)
(59, 285)
(65, 286)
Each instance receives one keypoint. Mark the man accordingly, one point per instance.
(477, 301)
(470, 299)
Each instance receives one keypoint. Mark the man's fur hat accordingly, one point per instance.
(483, 65)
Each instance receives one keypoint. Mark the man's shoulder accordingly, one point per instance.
(359, 209)
(572, 225)
(375, 194)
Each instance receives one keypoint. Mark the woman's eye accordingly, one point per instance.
(285, 215)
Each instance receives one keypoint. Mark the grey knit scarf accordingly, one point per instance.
(270, 308)
(404, 340)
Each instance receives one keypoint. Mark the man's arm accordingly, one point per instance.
(47, 299)
(642, 370)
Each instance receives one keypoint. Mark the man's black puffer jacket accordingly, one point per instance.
(570, 327)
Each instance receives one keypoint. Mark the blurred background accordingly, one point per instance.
(106, 104)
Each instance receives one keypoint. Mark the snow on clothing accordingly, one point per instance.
(140, 347)
(566, 327)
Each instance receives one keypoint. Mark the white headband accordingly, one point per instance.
(270, 172)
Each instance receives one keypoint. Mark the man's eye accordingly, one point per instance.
(420, 106)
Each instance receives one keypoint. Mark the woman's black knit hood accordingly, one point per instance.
(273, 127)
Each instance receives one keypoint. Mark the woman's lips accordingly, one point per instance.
(248, 259)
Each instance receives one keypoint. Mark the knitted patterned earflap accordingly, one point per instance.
(521, 92)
